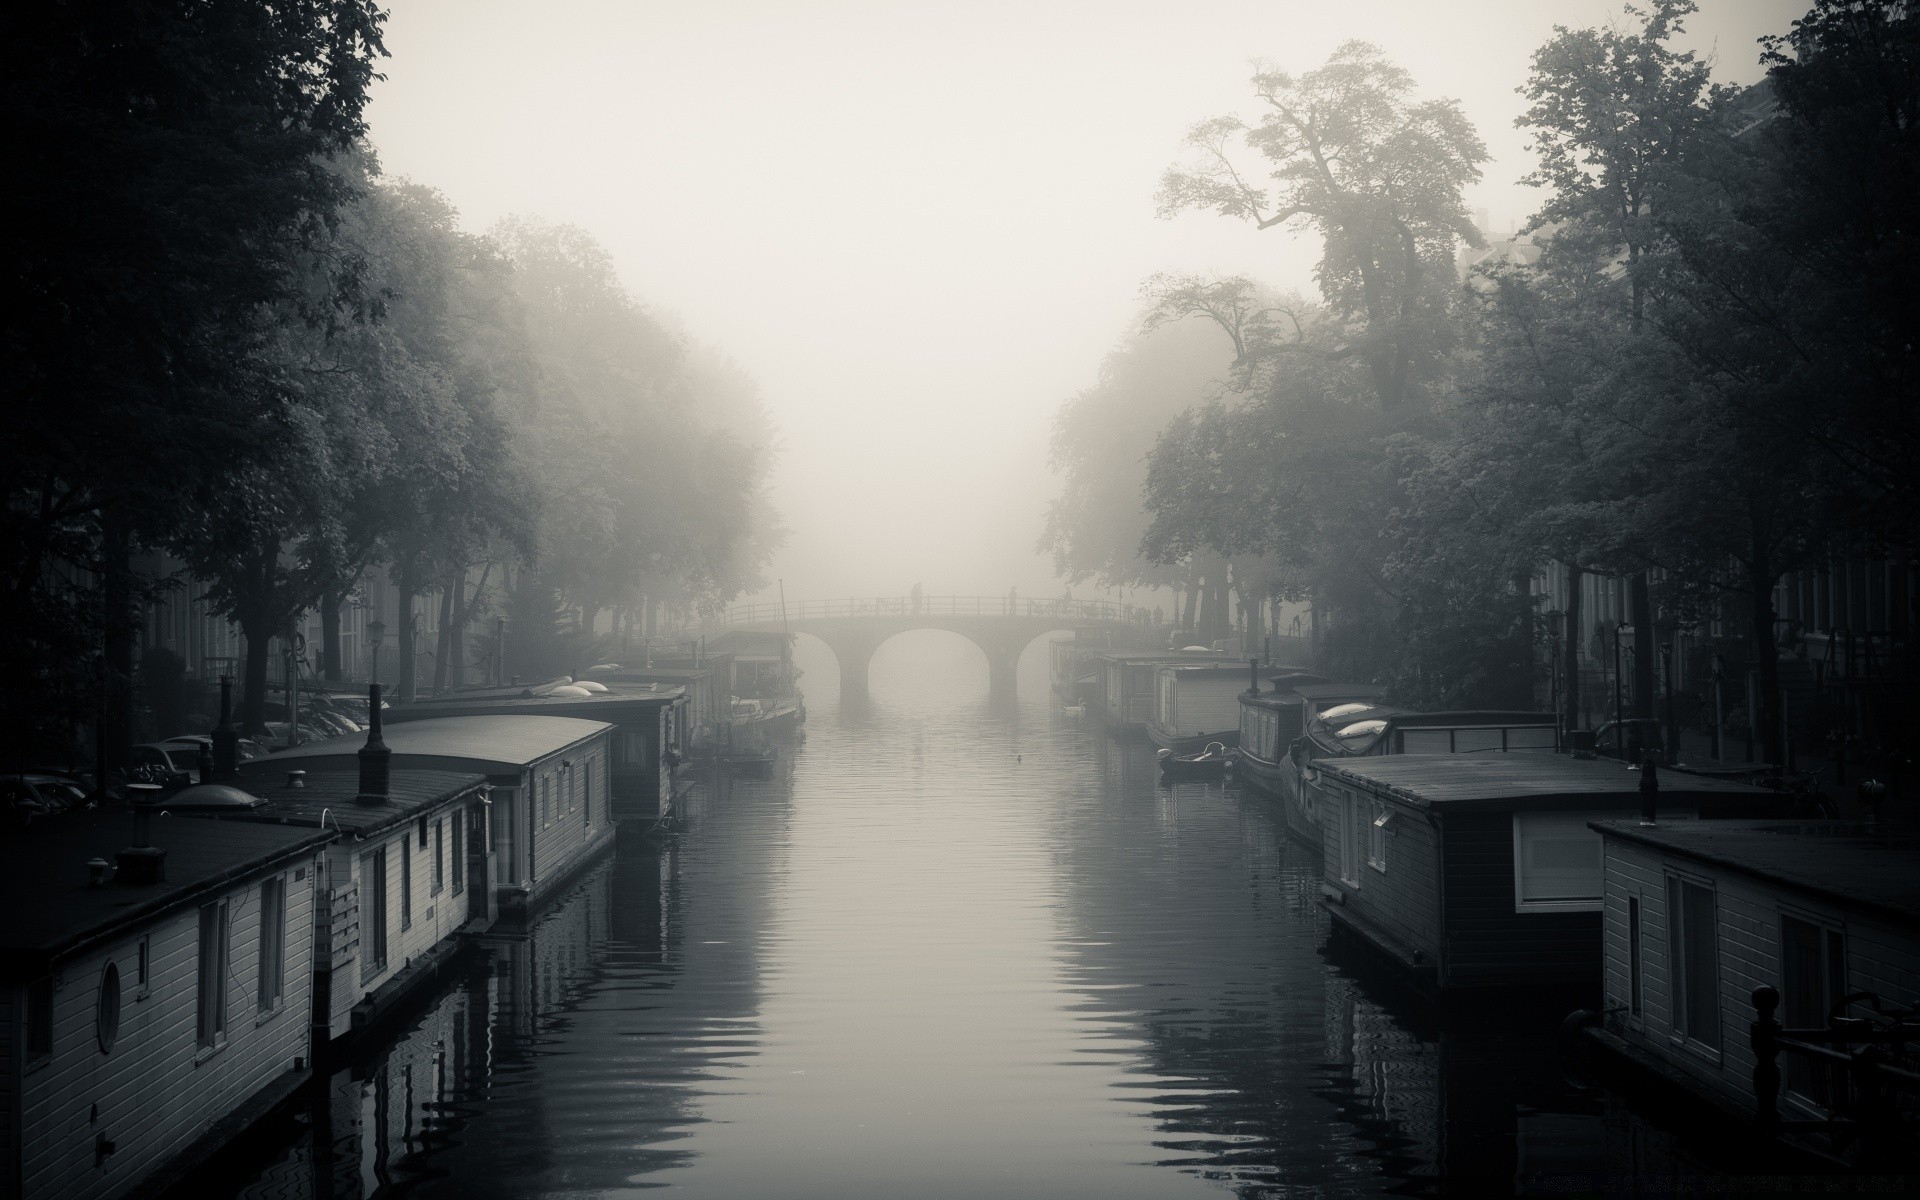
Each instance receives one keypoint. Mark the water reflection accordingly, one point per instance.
(949, 950)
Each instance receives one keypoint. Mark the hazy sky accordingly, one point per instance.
(919, 225)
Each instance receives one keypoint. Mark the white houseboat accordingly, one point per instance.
(155, 1000)
(550, 783)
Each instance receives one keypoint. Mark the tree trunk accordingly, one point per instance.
(1570, 674)
(330, 636)
(117, 637)
(440, 641)
(457, 631)
(1646, 644)
(257, 628)
(1768, 720)
(407, 580)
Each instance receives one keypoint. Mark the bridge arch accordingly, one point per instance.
(855, 644)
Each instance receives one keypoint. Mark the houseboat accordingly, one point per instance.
(1359, 730)
(1196, 704)
(1129, 685)
(650, 722)
(410, 869)
(1073, 673)
(1479, 870)
(763, 672)
(1803, 939)
(1269, 723)
(549, 783)
(699, 725)
(156, 998)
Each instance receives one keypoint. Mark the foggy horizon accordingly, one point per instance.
(919, 227)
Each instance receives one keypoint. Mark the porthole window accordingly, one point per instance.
(109, 1015)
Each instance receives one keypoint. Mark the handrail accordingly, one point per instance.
(1101, 611)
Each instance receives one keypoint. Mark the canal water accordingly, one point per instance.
(953, 949)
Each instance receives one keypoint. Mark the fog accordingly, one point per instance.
(919, 225)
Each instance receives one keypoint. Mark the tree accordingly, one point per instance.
(166, 154)
(1379, 176)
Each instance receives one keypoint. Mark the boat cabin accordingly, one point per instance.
(1699, 915)
(550, 787)
(1129, 684)
(408, 870)
(152, 1002)
(650, 723)
(1473, 871)
(1199, 703)
(697, 727)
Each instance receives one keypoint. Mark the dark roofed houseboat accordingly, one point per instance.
(1476, 871)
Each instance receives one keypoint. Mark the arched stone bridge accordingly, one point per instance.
(1002, 626)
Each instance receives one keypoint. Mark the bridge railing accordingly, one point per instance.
(1071, 611)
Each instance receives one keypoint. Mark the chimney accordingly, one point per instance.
(375, 758)
(1649, 788)
(143, 862)
(226, 739)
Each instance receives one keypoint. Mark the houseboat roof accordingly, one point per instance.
(496, 743)
(1339, 691)
(1837, 861)
(327, 796)
(1150, 657)
(1507, 781)
(53, 909)
(523, 700)
(1470, 718)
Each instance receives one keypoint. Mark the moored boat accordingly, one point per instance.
(1209, 763)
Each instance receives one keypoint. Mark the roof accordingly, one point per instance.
(491, 743)
(1837, 861)
(1149, 657)
(327, 796)
(608, 705)
(1520, 780)
(1339, 691)
(51, 909)
(1472, 717)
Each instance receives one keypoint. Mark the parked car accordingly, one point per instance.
(279, 734)
(27, 796)
(248, 748)
(167, 764)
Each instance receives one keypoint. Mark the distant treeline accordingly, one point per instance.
(1695, 368)
(236, 343)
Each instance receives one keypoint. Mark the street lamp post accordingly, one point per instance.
(376, 633)
(1619, 682)
(1556, 625)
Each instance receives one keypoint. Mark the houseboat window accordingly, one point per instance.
(422, 826)
(438, 880)
(40, 1018)
(1813, 976)
(586, 794)
(211, 1023)
(406, 886)
(1426, 741)
(1633, 955)
(1692, 930)
(1556, 862)
(140, 968)
(107, 1016)
(373, 913)
(459, 866)
(273, 940)
(1377, 837)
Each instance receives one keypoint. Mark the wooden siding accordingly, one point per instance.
(10, 1042)
(436, 917)
(1487, 942)
(1403, 898)
(568, 826)
(158, 1090)
(1880, 958)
